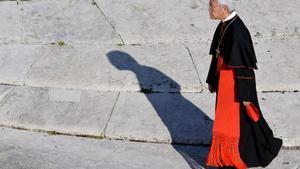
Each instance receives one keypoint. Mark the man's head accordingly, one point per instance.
(220, 9)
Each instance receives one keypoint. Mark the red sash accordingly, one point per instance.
(224, 150)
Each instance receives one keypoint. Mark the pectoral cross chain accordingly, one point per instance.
(218, 52)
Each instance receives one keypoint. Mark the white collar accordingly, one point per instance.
(233, 13)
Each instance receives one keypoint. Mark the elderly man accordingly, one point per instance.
(241, 137)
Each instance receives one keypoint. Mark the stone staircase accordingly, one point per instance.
(135, 70)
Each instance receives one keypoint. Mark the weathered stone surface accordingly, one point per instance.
(268, 19)
(155, 21)
(166, 51)
(278, 65)
(188, 21)
(286, 160)
(11, 28)
(15, 62)
(64, 95)
(180, 118)
(23, 149)
(153, 67)
(71, 21)
(32, 108)
(282, 114)
(4, 91)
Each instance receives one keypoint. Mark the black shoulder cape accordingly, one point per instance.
(237, 47)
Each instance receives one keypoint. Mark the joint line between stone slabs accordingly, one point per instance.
(112, 110)
(95, 3)
(273, 91)
(277, 37)
(50, 132)
(195, 67)
(280, 91)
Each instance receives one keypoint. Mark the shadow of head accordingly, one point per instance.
(121, 60)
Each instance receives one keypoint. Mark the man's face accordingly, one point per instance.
(215, 9)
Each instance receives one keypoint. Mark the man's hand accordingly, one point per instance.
(246, 103)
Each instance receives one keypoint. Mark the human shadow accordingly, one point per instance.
(187, 124)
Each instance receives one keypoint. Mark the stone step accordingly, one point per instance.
(173, 21)
(27, 149)
(184, 118)
(162, 68)
(136, 22)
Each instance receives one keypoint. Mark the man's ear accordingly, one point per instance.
(226, 9)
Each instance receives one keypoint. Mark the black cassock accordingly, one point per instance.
(257, 145)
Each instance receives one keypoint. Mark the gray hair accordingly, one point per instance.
(228, 3)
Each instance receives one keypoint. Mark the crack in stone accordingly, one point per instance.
(123, 43)
(95, 3)
(112, 110)
(195, 67)
(26, 75)
(6, 95)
